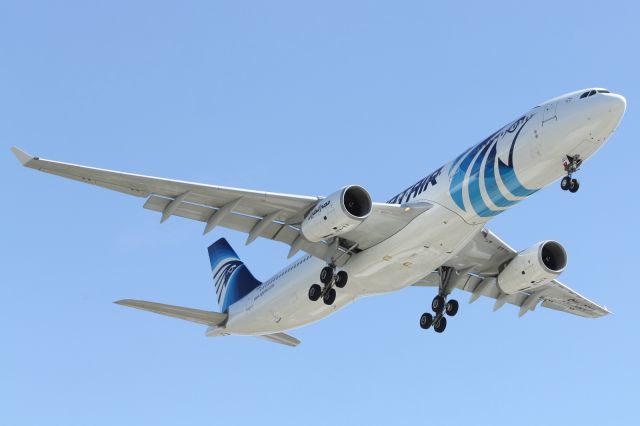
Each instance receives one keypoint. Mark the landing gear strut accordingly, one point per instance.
(571, 165)
(330, 279)
(439, 305)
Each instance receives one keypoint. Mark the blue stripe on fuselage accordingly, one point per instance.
(490, 182)
(457, 180)
(510, 180)
(475, 195)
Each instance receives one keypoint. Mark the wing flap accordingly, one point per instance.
(561, 298)
(201, 213)
(554, 295)
(274, 231)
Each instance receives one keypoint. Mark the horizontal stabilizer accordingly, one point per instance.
(188, 314)
(281, 338)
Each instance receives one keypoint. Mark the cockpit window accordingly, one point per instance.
(593, 92)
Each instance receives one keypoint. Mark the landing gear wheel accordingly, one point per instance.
(437, 305)
(451, 308)
(426, 320)
(315, 291)
(329, 297)
(439, 324)
(565, 183)
(326, 275)
(341, 279)
(575, 185)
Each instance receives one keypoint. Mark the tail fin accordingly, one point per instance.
(231, 277)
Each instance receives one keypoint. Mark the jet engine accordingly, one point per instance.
(337, 214)
(533, 267)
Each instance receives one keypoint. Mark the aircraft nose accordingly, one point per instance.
(610, 108)
(615, 105)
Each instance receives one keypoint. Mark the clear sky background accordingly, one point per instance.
(300, 97)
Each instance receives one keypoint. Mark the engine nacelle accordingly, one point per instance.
(533, 267)
(337, 214)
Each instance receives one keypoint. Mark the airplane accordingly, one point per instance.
(432, 234)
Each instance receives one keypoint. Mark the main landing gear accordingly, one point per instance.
(440, 305)
(571, 165)
(330, 279)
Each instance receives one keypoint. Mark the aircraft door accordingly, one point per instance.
(549, 113)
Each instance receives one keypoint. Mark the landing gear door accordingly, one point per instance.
(549, 113)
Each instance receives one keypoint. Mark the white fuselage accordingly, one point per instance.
(510, 165)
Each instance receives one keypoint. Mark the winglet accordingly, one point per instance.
(22, 156)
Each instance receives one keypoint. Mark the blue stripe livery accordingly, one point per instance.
(490, 181)
(482, 160)
(474, 188)
(231, 277)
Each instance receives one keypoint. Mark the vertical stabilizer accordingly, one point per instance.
(231, 277)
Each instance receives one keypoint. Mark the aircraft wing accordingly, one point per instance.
(479, 262)
(260, 214)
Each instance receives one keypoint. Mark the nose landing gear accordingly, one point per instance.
(329, 278)
(569, 184)
(571, 165)
(440, 305)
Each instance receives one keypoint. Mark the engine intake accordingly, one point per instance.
(337, 214)
(533, 267)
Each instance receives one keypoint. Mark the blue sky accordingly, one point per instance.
(299, 97)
